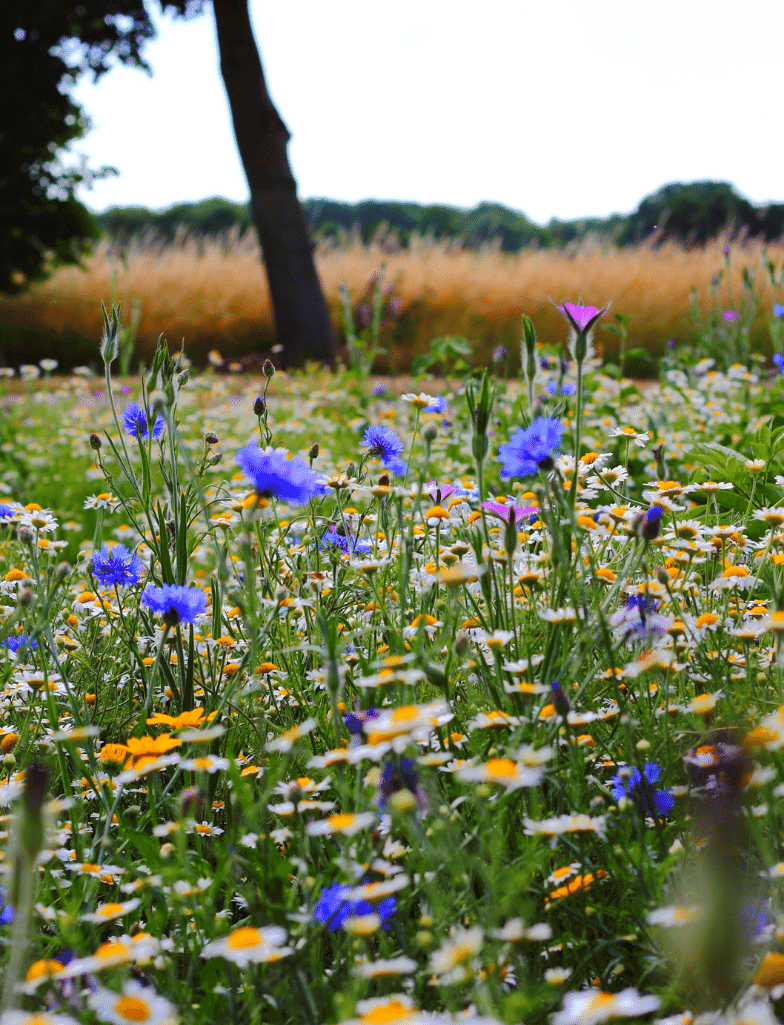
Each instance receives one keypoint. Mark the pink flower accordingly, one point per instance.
(582, 318)
(503, 512)
(438, 492)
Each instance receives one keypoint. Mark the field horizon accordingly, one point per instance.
(213, 293)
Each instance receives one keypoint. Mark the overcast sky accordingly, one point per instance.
(565, 109)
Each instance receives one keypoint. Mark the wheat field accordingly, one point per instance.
(213, 293)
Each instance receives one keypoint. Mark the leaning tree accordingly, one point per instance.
(50, 44)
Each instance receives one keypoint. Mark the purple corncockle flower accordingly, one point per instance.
(730, 316)
(582, 318)
(438, 492)
(504, 512)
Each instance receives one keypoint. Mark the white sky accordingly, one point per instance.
(565, 108)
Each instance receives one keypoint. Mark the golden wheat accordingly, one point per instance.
(214, 294)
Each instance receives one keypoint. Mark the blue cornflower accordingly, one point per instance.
(356, 720)
(176, 604)
(349, 545)
(332, 908)
(274, 475)
(398, 776)
(438, 405)
(115, 564)
(135, 422)
(638, 787)
(531, 449)
(6, 910)
(566, 389)
(6, 512)
(778, 359)
(651, 523)
(499, 352)
(379, 390)
(385, 444)
(18, 642)
(778, 310)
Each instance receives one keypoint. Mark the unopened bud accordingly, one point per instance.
(9, 742)
(268, 368)
(560, 700)
(662, 576)
(259, 406)
(462, 643)
(215, 458)
(281, 594)
(182, 377)
(651, 523)
(210, 438)
(383, 480)
(313, 452)
(35, 783)
(158, 402)
(430, 433)
(25, 535)
(191, 800)
(351, 470)
(63, 569)
(26, 597)
(95, 442)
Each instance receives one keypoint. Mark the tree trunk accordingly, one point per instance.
(301, 315)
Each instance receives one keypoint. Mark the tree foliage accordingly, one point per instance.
(48, 46)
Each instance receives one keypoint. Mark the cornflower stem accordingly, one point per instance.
(413, 441)
(154, 670)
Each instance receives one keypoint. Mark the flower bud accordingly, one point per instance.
(268, 368)
(383, 480)
(259, 406)
(95, 442)
(25, 535)
(62, 571)
(183, 377)
(313, 452)
(430, 433)
(191, 800)
(158, 402)
(651, 525)
(560, 700)
(210, 438)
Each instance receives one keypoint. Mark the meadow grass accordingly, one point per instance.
(327, 704)
(214, 294)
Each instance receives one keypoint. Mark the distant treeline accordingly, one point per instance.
(691, 214)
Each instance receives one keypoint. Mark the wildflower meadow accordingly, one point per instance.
(322, 703)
